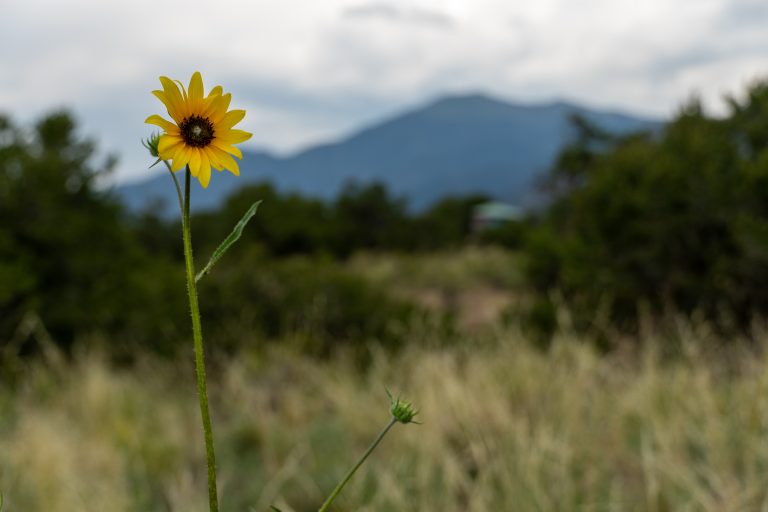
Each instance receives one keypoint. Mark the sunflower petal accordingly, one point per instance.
(169, 104)
(168, 145)
(181, 158)
(194, 162)
(170, 87)
(216, 91)
(166, 141)
(229, 148)
(227, 162)
(175, 110)
(204, 175)
(183, 90)
(219, 108)
(209, 104)
(234, 136)
(168, 126)
(195, 88)
(231, 118)
(170, 152)
(175, 97)
(215, 162)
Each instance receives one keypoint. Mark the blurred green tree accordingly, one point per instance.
(671, 221)
(368, 218)
(67, 257)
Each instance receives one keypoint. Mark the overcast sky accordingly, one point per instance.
(312, 70)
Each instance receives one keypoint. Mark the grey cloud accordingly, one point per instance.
(307, 102)
(740, 14)
(705, 53)
(392, 12)
(377, 10)
(666, 65)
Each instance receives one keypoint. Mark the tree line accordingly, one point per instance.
(657, 224)
(76, 263)
(668, 222)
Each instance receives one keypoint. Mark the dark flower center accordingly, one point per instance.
(196, 131)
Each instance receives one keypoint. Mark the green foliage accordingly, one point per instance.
(362, 218)
(675, 221)
(66, 257)
(74, 264)
(318, 302)
(368, 218)
(286, 224)
(509, 235)
(447, 223)
(230, 240)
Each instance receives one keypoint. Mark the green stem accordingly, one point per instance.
(197, 333)
(341, 485)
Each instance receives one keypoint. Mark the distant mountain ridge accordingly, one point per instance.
(456, 145)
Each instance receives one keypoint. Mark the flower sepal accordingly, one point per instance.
(151, 144)
(402, 411)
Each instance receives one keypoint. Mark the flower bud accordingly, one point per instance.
(401, 410)
(151, 144)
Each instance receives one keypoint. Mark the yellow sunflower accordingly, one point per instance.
(202, 134)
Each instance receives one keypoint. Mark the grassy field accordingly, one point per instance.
(475, 285)
(506, 428)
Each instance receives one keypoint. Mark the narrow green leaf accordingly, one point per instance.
(275, 509)
(233, 237)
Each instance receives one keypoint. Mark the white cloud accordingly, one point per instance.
(308, 71)
(389, 11)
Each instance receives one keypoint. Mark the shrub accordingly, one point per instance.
(315, 301)
(673, 221)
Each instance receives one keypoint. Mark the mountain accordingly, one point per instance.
(455, 145)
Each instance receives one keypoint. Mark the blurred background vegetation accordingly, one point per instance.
(533, 338)
(659, 224)
(643, 226)
(75, 264)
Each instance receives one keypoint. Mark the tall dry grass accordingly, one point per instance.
(506, 428)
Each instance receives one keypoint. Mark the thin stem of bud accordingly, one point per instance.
(370, 449)
(178, 188)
